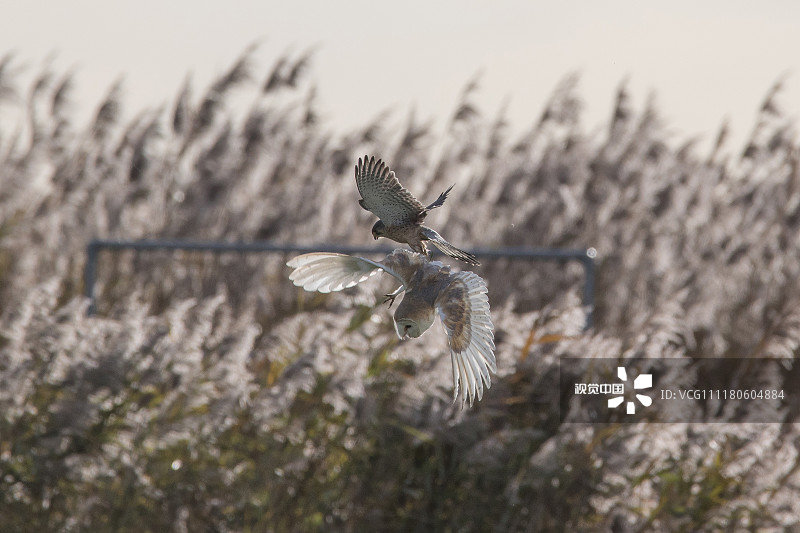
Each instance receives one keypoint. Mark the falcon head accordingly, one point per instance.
(378, 229)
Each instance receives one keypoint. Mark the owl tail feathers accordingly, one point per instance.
(448, 248)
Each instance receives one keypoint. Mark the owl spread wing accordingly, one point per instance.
(328, 272)
(382, 194)
(464, 310)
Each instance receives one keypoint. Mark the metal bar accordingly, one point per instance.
(90, 273)
(214, 246)
(588, 286)
(586, 257)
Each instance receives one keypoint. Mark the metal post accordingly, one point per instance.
(588, 286)
(90, 273)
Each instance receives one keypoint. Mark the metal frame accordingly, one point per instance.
(585, 257)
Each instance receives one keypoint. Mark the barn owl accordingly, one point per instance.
(459, 298)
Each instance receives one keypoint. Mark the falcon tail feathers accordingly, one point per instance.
(448, 248)
(440, 201)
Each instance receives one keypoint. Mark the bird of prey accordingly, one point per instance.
(430, 287)
(400, 214)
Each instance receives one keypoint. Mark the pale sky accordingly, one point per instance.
(703, 60)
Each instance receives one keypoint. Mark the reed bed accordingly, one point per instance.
(208, 393)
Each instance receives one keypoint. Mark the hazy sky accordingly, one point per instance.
(703, 60)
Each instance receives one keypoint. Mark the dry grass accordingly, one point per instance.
(211, 394)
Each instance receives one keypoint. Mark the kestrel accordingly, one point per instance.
(400, 214)
(459, 298)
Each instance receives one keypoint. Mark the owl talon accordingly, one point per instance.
(389, 298)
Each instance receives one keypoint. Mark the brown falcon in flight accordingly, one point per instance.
(400, 214)
(430, 287)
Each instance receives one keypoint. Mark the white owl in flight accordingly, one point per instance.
(459, 298)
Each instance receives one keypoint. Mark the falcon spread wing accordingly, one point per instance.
(464, 310)
(328, 272)
(382, 194)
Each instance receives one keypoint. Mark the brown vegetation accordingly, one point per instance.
(210, 394)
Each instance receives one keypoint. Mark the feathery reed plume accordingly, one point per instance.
(182, 113)
(622, 111)
(141, 158)
(7, 81)
(466, 110)
(276, 77)
(212, 101)
(108, 113)
(61, 95)
(295, 72)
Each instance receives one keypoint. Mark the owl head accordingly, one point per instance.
(413, 316)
